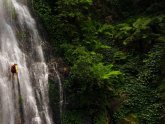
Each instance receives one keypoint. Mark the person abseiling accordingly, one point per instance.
(14, 69)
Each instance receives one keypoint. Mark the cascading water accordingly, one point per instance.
(56, 77)
(23, 99)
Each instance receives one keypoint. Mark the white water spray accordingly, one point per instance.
(23, 101)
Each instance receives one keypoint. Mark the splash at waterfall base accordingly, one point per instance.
(24, 98)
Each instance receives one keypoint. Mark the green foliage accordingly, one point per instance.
(72, 117)
(116, 69)
(107, 30)
(141, 94)
(151, 115)
(161, 39)
(105, 72)
(54, 98)
(102, 119)
(142, 23)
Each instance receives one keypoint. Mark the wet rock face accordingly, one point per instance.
(56, 88)
(60, 66)
(23, 97)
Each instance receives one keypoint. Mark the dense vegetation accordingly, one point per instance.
(115, 56)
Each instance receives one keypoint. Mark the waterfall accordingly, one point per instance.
(61, 97)
(23, 98)
(54, 76)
